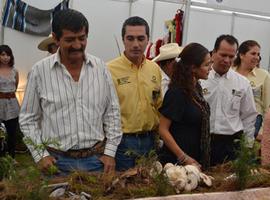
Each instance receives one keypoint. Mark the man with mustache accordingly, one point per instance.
(138, 84)
(70, 98)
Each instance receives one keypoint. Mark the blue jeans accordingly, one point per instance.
(136, 145)
(68, 164)
(258, 125)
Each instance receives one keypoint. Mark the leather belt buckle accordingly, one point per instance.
(81, 153)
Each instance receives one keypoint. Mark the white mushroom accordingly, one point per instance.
(156, 169)
(254, 172)
(206, 179)
(175, 172)
(58, 192)
(180, 184)
(230, 177)
(192, 182)
(171, 174)
(177, 177)
(167, 166)
(194, 170)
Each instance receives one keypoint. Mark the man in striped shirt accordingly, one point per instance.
(70, 98)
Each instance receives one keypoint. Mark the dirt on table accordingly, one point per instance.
(134, 183)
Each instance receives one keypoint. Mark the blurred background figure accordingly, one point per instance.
(9, 106)
(246, 62)
(48, 44)
(166, 59)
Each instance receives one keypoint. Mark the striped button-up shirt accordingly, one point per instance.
(74, 114)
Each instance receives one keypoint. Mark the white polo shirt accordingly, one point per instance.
(232, 104)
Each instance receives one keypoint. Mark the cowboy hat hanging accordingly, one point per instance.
(168, 51)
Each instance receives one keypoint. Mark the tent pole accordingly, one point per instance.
(152, 20)
(2, 27)
(186, 21)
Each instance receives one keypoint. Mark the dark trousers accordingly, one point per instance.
(223, 147)
(12, 127)
(258, 124)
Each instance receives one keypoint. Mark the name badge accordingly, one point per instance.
(236, 93)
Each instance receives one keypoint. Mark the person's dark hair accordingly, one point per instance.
(68, 19)
(8, 51)
(243, 49)
(228, 38)
(135, 21)
(164, 63)
(51, 47)
(193, 55)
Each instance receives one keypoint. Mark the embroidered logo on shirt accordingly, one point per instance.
(252, 84)
(123, 80)
(154, 79)
(205, 91)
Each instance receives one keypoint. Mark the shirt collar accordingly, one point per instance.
(57, 60)
(164, 75)
(130, 63)
(227, 75)
(253, 72)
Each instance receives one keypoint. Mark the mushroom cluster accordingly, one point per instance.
(182, 178)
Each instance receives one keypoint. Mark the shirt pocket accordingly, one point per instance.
(257, 92)
(235, 103)
(232, 105)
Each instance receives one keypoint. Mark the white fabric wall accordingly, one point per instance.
(106, 18)
(254, 5)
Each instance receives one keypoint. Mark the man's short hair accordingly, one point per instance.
(68, 19)
(228, 38)
(135, 21)
(164, 63)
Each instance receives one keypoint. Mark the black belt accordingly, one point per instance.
(7, 95)
(236, 135)
(139, 134)
(80, 153)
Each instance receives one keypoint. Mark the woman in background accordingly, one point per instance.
(184, 122)
(246, 62)
(9, 106)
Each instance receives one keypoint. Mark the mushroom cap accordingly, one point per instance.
(206, 179)
(167, 166)
(192, 182)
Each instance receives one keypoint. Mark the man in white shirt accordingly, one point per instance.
(70, 98)
(230, 97)
(166, 59)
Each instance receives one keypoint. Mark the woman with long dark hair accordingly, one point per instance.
(9, 106)
(246, 62)
(184, 122)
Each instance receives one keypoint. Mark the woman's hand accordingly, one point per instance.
(191, 161)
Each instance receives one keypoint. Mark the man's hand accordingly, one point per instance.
(109, 163)
(46, 163)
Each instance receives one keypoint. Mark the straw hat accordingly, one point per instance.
(168, 51)
(43, 45)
